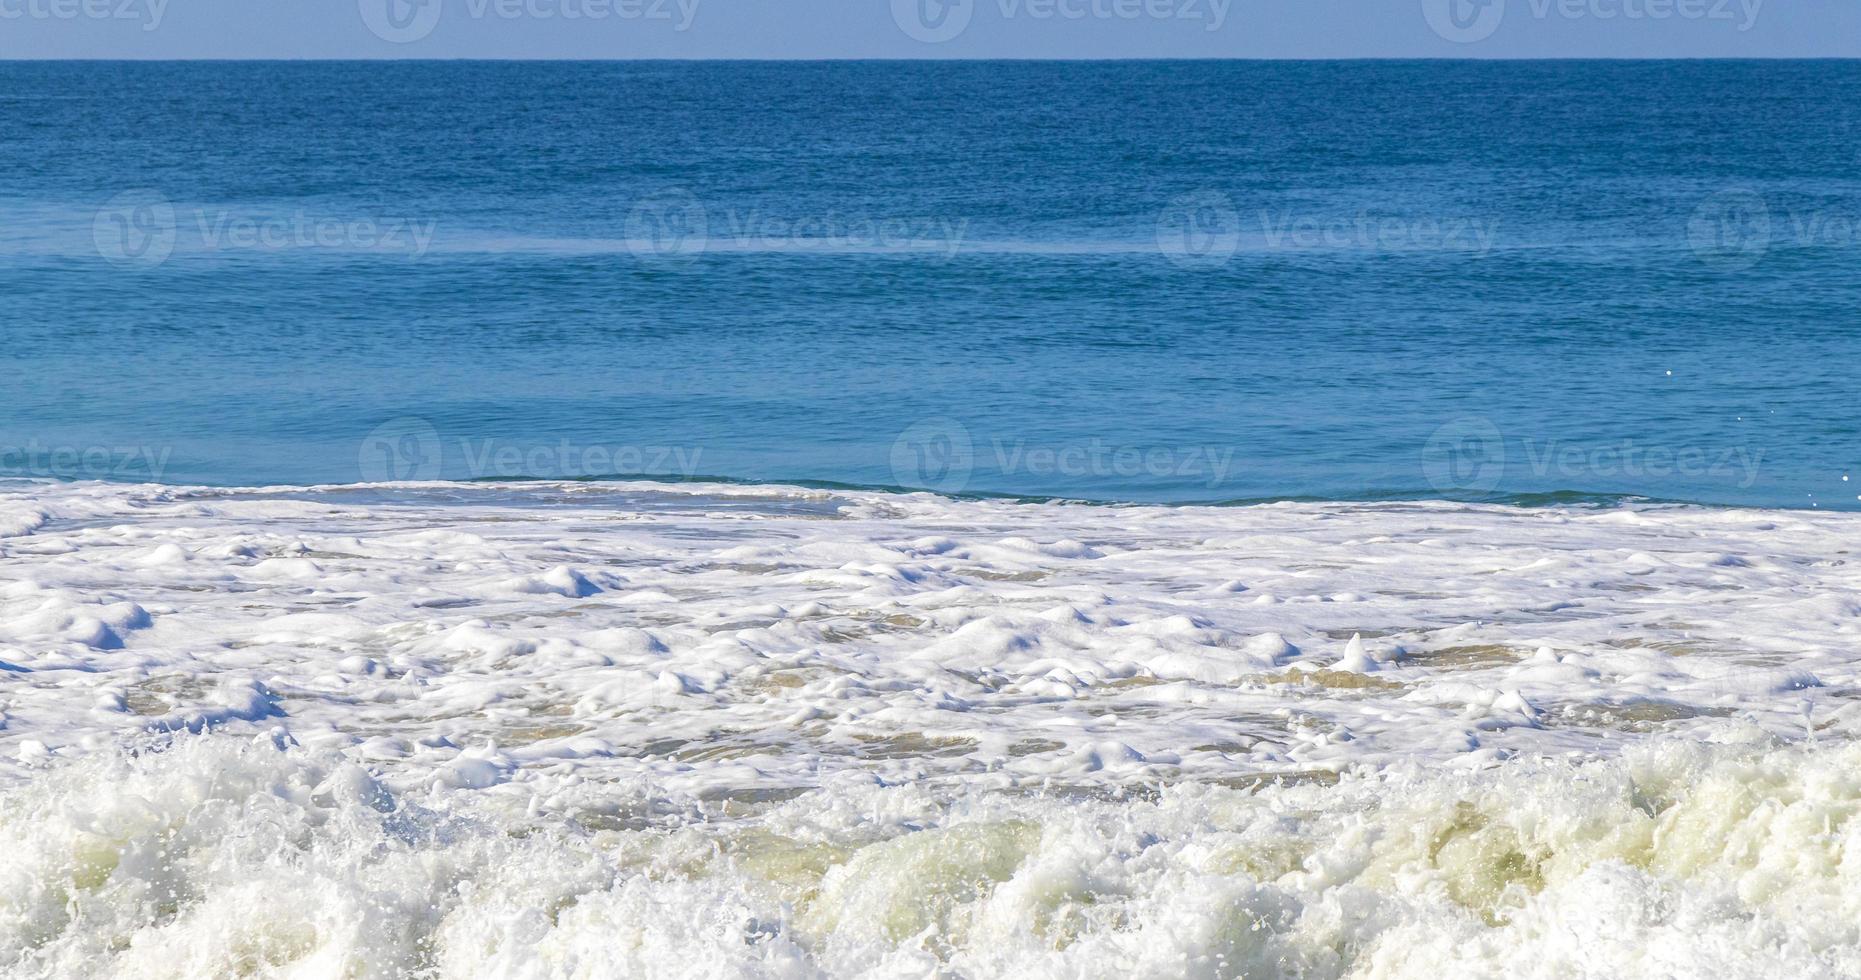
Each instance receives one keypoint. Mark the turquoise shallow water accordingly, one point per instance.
(1126, 281)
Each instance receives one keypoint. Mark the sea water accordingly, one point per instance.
(1196, 281)
(1343, 520)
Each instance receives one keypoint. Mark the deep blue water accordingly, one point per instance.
(1119, 281)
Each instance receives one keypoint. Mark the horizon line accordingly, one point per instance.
(882, 58)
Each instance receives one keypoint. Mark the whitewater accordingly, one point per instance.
(706, 730)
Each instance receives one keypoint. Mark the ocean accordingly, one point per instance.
(970, 519)
(1147, 281)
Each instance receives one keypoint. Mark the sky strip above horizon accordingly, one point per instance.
(784, 29)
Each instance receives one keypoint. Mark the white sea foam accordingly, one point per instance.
(601, 730)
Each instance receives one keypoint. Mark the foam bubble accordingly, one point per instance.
(763, 731)
(218, 856)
